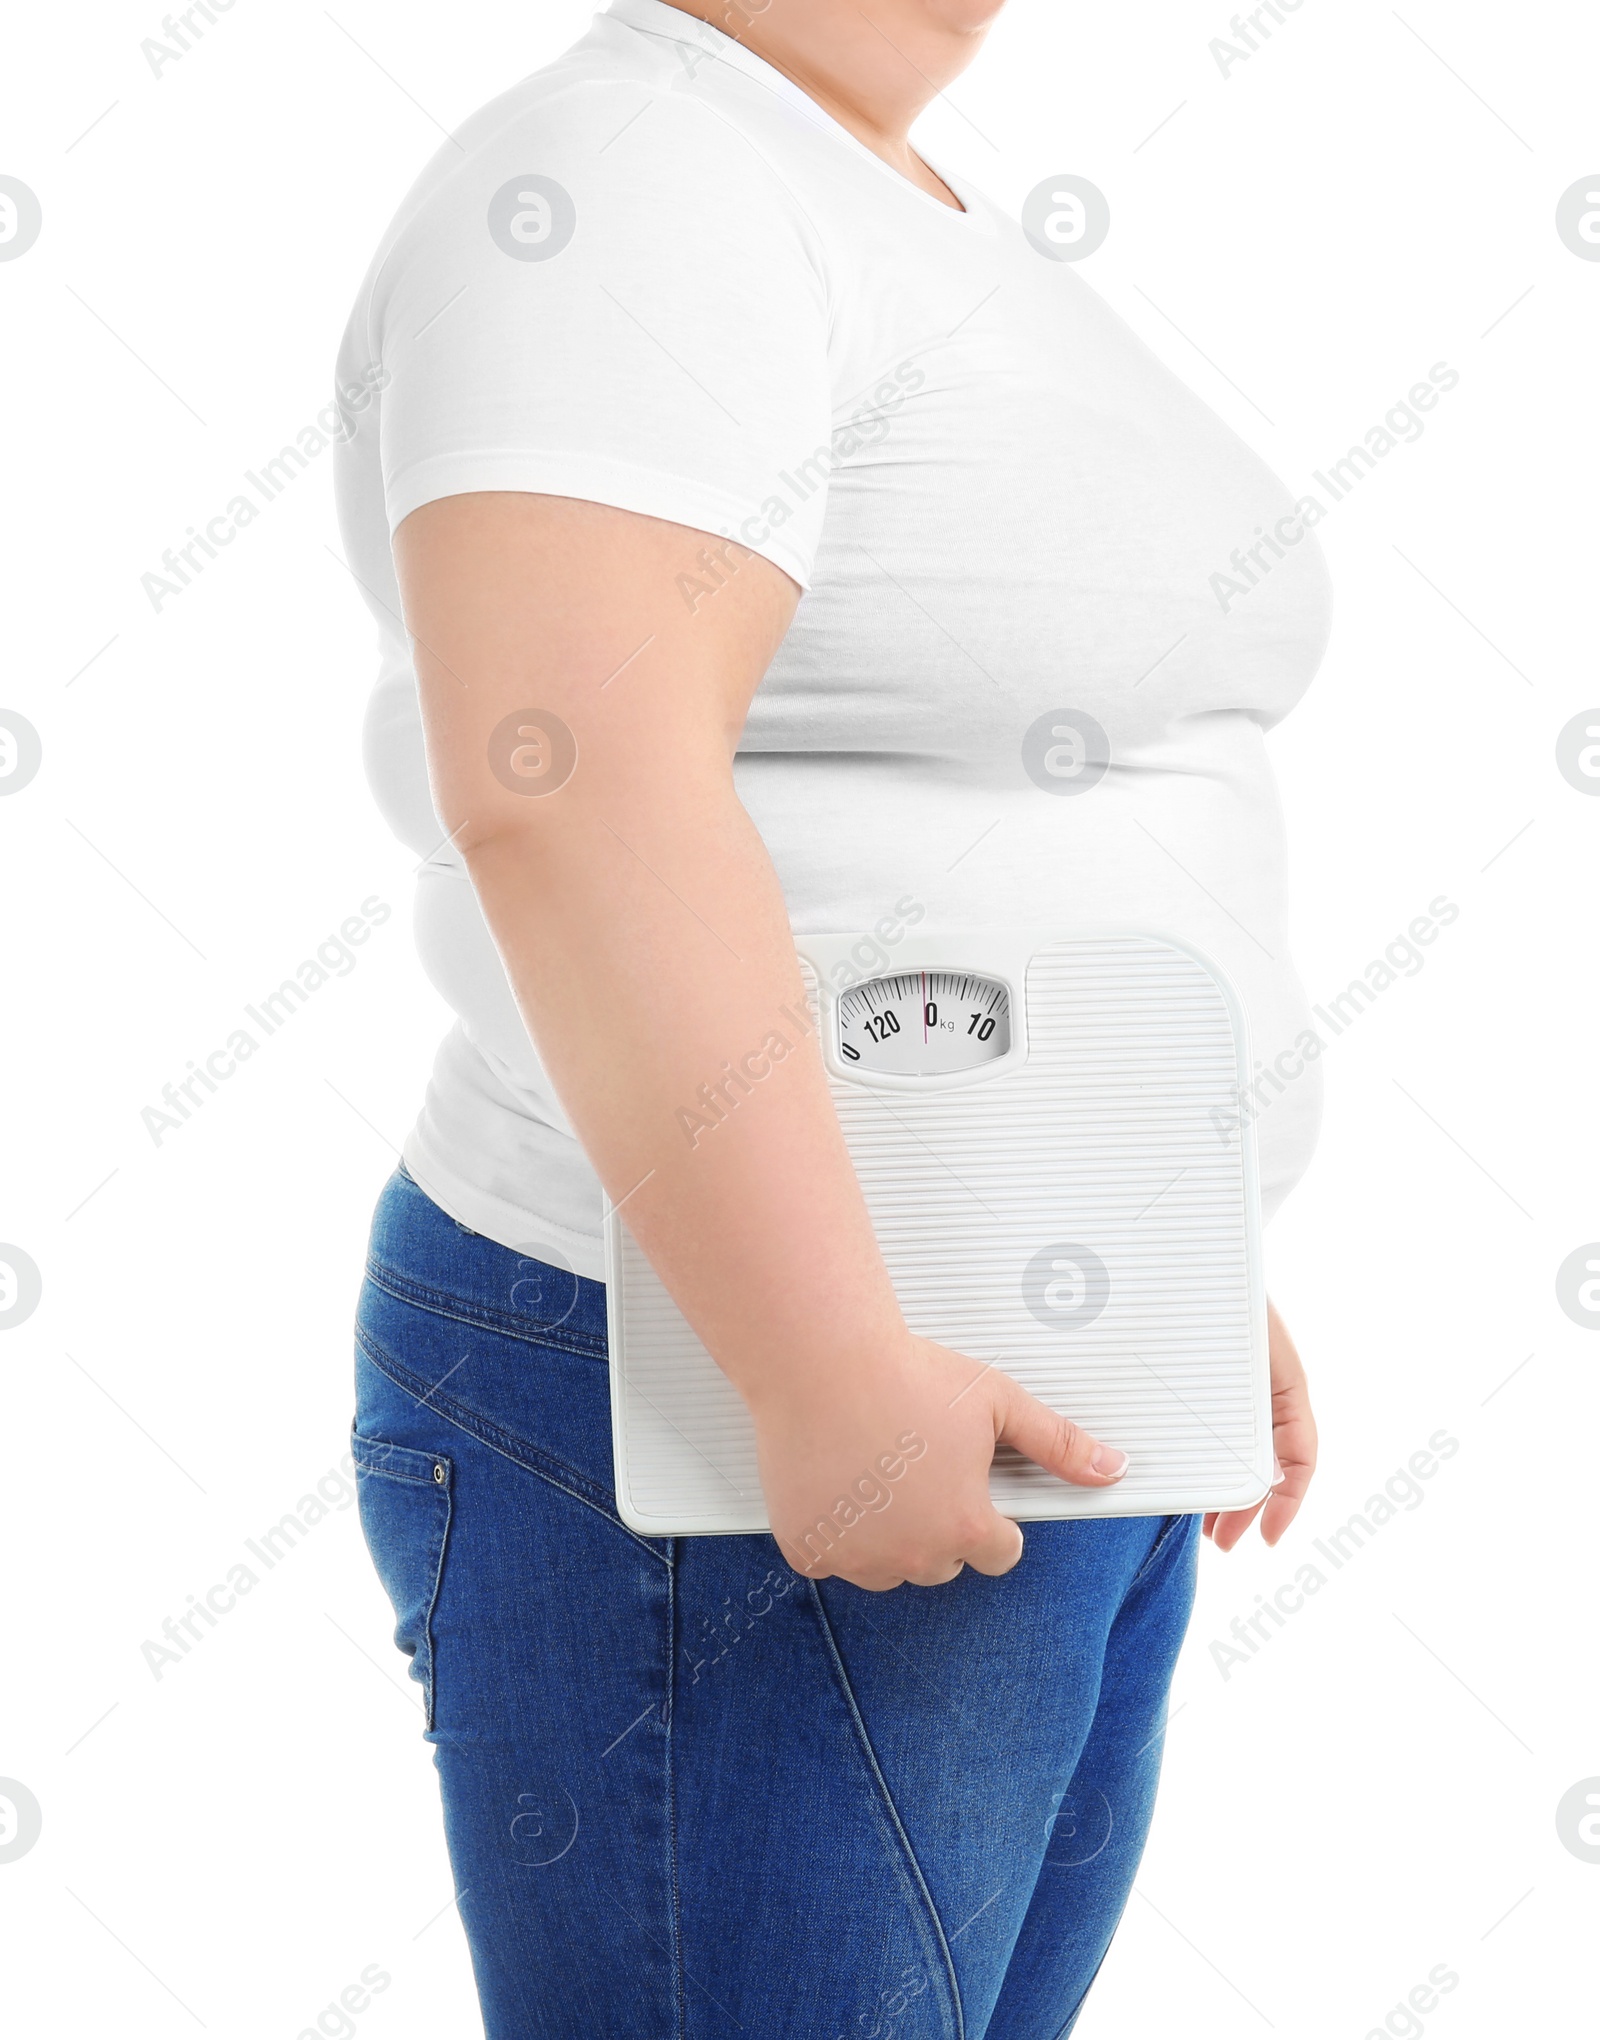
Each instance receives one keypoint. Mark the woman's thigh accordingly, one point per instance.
(688, 1792)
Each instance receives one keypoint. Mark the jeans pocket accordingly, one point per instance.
(404, 1499)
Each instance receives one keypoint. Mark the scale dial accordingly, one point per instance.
(924, 1023)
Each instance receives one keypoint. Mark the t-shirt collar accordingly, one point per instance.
(655, 17)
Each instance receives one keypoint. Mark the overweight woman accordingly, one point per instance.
(734, 490)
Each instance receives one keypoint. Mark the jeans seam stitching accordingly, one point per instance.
(1169, 1530)
(908, 1854)
(1083, 1995)
(430, 1690)
(480, 1426)
(675, 1919)
(481, 1429)
(364, 1451)
(442, 1304)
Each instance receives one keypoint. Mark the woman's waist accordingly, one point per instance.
(419, 1255)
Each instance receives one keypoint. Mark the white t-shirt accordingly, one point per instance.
(1051, 601)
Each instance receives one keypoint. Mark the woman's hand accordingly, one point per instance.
(1294, 1440)
(881, 1476)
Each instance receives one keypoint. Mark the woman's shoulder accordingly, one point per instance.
(590, 170)
(640, 134)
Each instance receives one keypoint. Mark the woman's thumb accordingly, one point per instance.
(1056, 1443)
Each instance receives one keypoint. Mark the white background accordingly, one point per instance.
(1374, 1792)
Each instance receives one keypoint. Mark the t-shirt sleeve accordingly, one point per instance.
(614, 297)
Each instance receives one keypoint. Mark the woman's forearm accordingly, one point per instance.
(651, 956)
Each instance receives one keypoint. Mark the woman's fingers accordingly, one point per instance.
(1225, 1527)
(998, 1548)
(994, 1549)
(1294, 1430)
(1054, 1442)
(1294, 1440)
(940, 1576)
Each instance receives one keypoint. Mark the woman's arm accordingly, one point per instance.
(645, 936)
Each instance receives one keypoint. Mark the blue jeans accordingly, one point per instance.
(688, 1793)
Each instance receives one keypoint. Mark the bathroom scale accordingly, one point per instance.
(1047, 1131)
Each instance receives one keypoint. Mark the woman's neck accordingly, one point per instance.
(872, 77)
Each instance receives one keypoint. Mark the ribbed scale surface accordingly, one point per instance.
(1114, 1135)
